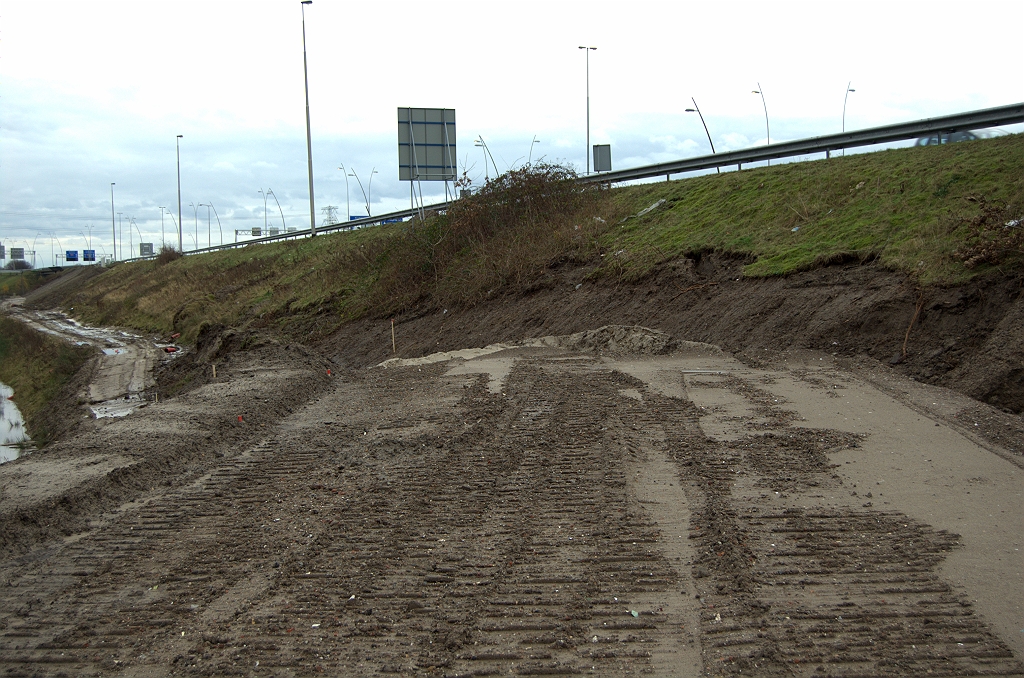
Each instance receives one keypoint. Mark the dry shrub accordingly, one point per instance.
(989, 236)
(499, 240)
(167, 254)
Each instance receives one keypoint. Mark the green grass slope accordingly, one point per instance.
(935, 213)
(914, 208)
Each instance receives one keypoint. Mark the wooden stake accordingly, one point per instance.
(214, 371)
(393, 348)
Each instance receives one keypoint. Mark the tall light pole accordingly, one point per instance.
(696, 109)
(219, 227)
(195, 215)
(181, 247)
(365, 199)
(113, 228)
(479, 142)
(348, 208)
(766, 130)
(845, 97)
(369, 191)
(309, 140)
(530, 157)
(284, 227)
(265, 196)
(209, 230)
(587, 50)
(163, 241)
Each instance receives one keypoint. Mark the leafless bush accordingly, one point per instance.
(167, 254)
(497, 240)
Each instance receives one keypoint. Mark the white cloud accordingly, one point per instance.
(96, 92)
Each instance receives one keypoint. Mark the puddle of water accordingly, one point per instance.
(12, 426)
(118, 407)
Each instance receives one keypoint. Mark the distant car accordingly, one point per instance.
(949, 138)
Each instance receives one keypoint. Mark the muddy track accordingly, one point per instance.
(573, 518)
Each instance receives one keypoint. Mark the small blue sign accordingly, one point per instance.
(88, 255)
(71, 255)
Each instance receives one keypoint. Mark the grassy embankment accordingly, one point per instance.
(934, 213)
(16, 284)
(37, 366)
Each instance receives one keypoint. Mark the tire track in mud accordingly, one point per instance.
(821, 590)
(408, 522)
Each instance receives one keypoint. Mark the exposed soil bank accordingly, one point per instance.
(968, 338)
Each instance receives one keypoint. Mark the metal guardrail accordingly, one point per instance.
(341, 226)
(980, 119)
(989, 117)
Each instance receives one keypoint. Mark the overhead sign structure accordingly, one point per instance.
(70, 255)
(145, 249)
(602, 158)
(88, 255)
(426, 144)
(18, 253)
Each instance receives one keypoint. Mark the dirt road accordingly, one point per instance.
(612, 503)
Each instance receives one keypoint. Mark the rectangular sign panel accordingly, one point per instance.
(70, 255)
(17, 253)
(88, 255)
(603, 158)
(3, 252)
(145, 249)
(426, 144)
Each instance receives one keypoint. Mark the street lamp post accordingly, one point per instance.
(112, 227)
(369, 191)
(360, 183)
(845, 97)
(265, 196)
(181, 246)
(309, 141)
(195, 215)
(587, 50)
(480, 143)
(530, 157)
(163, 241)
(284, 227)
(209, 229)
(766, 130)
(348, 208)
(219, 227)
(696, 109)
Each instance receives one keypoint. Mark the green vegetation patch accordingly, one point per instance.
(906, 207)
(20, 283)
(938, 214)
(37, 366)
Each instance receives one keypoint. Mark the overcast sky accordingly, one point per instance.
(96, 92)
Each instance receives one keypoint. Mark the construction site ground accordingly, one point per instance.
(615, 501)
